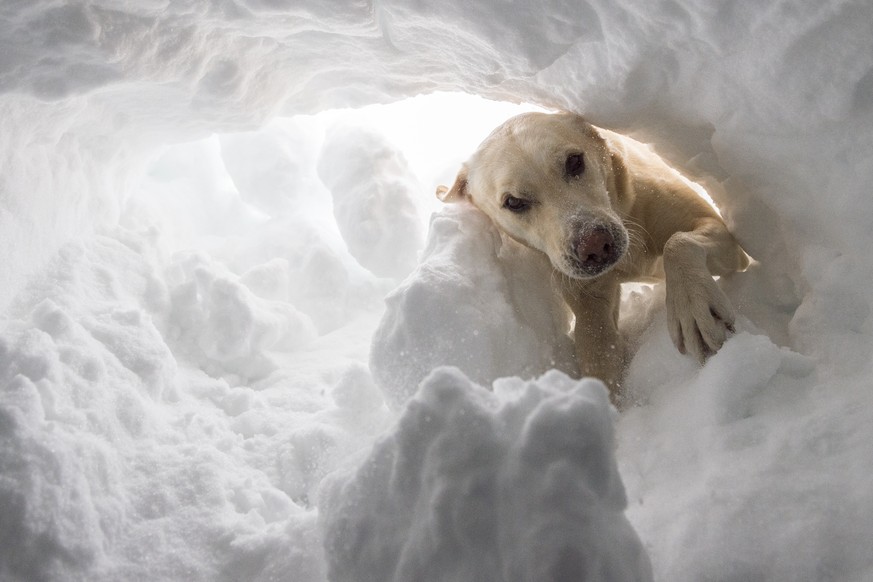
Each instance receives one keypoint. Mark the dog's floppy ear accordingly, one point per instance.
(457, 192)
(620, 181)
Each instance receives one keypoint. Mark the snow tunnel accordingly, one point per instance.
(190, 285)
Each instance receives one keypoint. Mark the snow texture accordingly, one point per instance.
(476, 301)
(518, 484)
(188, 299)
(374, 199)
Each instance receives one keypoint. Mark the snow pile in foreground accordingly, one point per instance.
(121, 460)
(516, 484)
(750, 468)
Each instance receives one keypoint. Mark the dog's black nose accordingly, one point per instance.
(596, 249)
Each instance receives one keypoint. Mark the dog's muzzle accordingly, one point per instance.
(597, 248)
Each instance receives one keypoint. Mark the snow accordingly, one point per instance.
(474, 302)
(192, 286)
(516, 484)
(374, 197)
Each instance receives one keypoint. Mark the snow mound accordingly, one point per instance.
(77, 388)
(117, 448)
(375, 199)
(476, 301)
(755, 419)
(224, 326)
(518, 484)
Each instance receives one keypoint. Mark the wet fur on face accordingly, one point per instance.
(522, 177)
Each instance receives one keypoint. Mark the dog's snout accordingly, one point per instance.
(596, 249)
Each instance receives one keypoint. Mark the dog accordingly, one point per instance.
(605, 210)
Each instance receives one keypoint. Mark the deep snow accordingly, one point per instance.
(516, 484)
(188, 298)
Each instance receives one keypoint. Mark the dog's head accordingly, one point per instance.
(550, 182)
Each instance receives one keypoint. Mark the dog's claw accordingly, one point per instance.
(699, 317)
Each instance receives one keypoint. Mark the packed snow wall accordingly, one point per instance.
(770, 105)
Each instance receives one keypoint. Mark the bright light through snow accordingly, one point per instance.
(435, 132)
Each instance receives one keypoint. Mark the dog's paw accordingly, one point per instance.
(699, 315)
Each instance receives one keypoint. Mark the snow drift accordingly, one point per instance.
(185, 326)
(475, 302)
(516, 484)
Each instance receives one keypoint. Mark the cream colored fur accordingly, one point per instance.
(650, 224)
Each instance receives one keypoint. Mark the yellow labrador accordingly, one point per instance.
(605, 210)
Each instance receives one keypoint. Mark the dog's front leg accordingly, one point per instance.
(699, 315)
(600, 350)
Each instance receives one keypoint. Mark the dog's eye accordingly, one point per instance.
(574, 166)
(516, 204)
